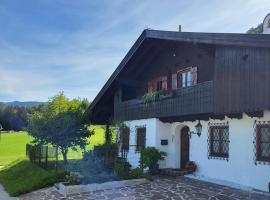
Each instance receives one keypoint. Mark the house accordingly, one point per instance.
(216, 82)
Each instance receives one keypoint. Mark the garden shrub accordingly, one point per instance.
(105, 149)
(122, 169)
(108, 152)
(150, 157)
(136, 173)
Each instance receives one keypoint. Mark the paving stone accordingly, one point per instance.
(162, 188)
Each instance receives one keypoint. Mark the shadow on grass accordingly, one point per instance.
(21, 176)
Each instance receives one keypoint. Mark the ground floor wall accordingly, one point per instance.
(240, 167)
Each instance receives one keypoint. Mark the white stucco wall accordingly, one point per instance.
(240, 169)
(150, 124)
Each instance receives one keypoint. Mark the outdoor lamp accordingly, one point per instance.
(198, 128)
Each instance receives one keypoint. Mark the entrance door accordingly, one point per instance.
(184, 147)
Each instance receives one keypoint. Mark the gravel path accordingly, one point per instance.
(4, 195)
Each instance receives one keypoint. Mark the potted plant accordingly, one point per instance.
(191, 166)
(150, 97)
(150, 157)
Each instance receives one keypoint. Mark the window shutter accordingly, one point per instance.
(164, 83)
(141, 138)
(174, 81)
(179, 80)
(194, 75)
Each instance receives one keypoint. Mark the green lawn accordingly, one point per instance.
(12, 146)
(19, 175)
(96, 139)
(22, 176)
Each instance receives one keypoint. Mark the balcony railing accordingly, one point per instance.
(192, 100)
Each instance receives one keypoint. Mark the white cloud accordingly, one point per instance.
(40, 61)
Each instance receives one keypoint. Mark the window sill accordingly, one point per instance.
(262, 162)
(218, 157)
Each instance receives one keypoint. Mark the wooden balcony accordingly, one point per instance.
(192, 100)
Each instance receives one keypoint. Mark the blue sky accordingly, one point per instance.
(47, 46)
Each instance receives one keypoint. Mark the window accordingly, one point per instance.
(219, 141)
(141, 138)
(263, 142)
(186, 77)
(158, 84)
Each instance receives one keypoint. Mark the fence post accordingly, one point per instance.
(56, 157)
(34, 154)
(46, 157)
(39, 158)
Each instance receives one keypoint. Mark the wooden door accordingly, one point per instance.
(184, 147)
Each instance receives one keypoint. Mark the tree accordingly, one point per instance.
(61, 123)
(16, 117)
(258, 29)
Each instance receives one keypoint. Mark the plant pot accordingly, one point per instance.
(191, 166)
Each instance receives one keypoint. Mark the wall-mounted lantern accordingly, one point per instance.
(198, 128)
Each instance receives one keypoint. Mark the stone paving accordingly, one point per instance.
(161, 188)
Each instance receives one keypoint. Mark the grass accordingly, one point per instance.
(12, 146)
(20, 176)
(96, 139)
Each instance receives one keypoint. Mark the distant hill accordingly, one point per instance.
(22, 103)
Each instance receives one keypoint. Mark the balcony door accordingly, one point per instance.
(184, 150)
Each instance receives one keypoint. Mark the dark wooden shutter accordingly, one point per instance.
(193, 75)
(141, 138)
(174, 81)
(125, 138)
(179, 80)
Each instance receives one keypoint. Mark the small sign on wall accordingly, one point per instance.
(164, 142)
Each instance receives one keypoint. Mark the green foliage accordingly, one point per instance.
(108, 152)
(15, 117)
(124, 136)
(22, 176)
(151, 97)
(136, 173)
(60, 123)
(105, 149)
(258, 29)
(150, 157)
(122, 169)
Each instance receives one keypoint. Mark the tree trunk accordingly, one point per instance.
(64, 153)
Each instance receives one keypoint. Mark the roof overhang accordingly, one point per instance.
(229, 39)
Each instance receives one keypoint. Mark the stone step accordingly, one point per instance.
(175, 172)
